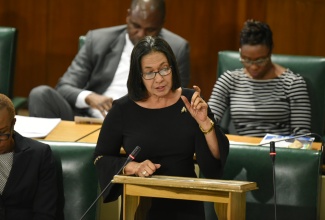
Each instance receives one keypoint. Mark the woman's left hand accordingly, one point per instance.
(198, 108)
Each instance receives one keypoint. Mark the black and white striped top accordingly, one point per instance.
(277, 106)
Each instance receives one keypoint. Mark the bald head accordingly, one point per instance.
(7, 122)
(149, 6)
(145, 18)
(6, 103)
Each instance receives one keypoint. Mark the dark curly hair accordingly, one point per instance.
(256, 32)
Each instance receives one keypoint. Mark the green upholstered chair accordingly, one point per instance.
(77, 180)
(297, 178)
(297, 182)
(81, 42)
(312, 68)
(8, 42)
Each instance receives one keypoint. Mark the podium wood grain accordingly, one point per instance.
(230, 194)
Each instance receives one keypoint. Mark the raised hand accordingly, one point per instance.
(198, 108)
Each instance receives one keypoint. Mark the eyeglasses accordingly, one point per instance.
(4, 137)
(258, 62)
(163, 72)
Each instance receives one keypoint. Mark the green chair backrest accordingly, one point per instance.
(77, 180)
(297, 180)
(8, 42)
(81, 42)
(312, 68)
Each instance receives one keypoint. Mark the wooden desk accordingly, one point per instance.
(72, 132)
(257, 140)
(88, 133)
(91, 138)
(230, 193)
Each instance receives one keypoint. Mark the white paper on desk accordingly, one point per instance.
(287, 141)
(33, 127)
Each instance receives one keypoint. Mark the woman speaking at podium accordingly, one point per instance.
(168, 122)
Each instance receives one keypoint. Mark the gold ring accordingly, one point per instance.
(144, 172)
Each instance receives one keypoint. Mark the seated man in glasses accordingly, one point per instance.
(263, 97)
(28, 184)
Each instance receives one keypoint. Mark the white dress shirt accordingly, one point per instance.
(118, 87)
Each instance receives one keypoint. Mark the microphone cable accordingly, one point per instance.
(130, 157)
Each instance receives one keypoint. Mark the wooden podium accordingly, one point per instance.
(229, 196)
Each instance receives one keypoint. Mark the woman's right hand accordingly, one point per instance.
(143, 169)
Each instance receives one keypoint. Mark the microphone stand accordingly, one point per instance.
(108, 186)
(272, 155)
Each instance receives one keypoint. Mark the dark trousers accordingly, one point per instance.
(46, 102)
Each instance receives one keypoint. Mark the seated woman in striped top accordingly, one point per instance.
(263, 97)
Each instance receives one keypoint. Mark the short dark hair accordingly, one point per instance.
(6, 103)
(256, 32)
(136, 89)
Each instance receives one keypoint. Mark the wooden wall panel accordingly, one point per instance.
(49, 31)
(209, 28)
(30, 18)
(298, 26)
(70, 19)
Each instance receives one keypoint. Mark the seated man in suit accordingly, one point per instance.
(99, 72)
(28, 184)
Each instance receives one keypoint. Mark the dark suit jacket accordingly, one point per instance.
(31, 189)
(95, 65)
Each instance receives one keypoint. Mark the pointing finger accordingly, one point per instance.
(197, 89)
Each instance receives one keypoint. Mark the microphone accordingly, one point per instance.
(273, 154)
(272, 150)
(130, 158)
